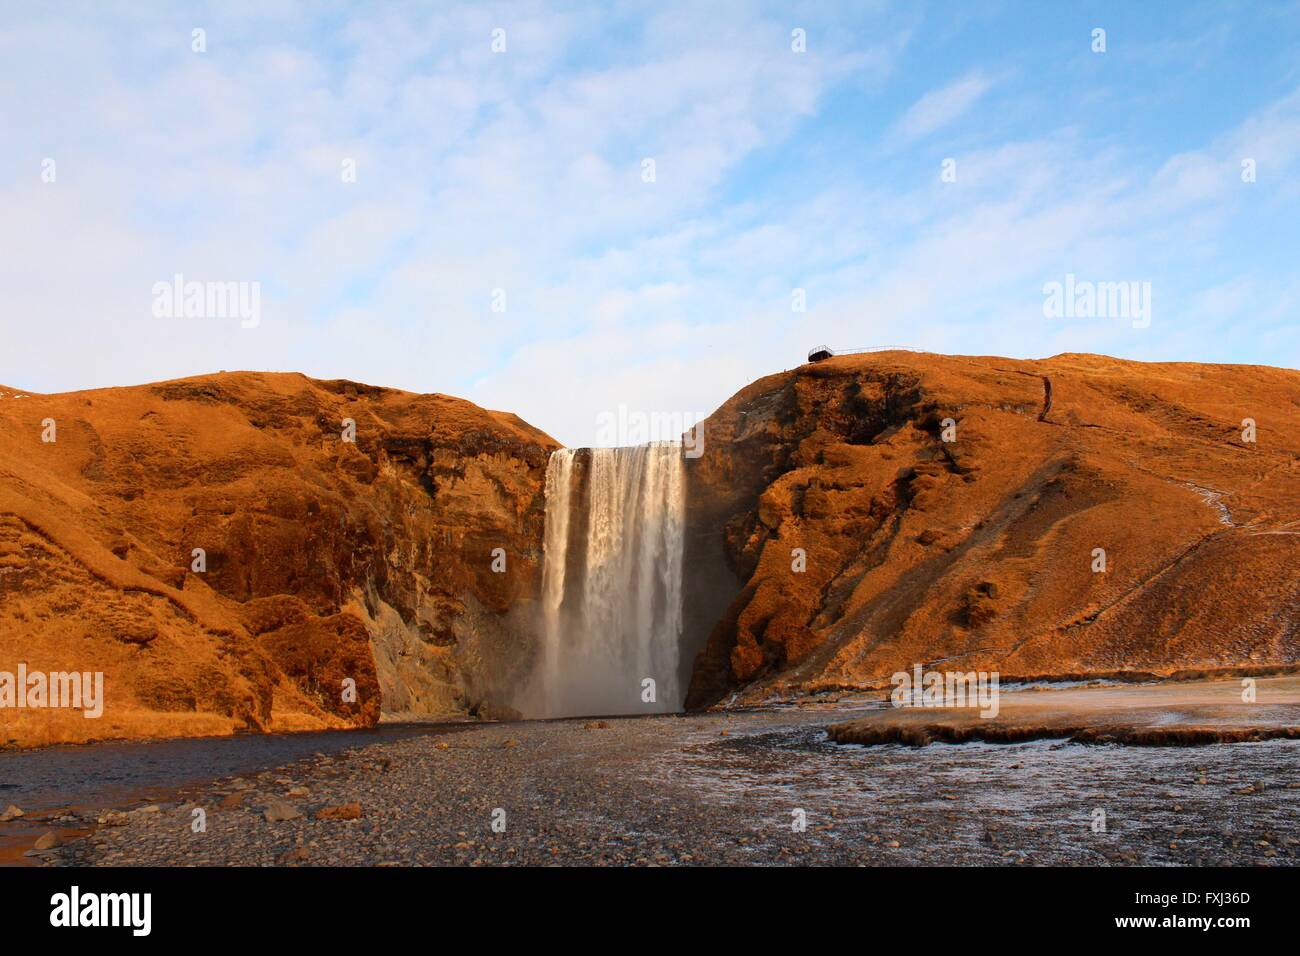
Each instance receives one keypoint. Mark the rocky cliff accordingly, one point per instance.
(235, 551)
(231, 550)
(1076, 515)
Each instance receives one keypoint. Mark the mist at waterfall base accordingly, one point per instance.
(611, 582)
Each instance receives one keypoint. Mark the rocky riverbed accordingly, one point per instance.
(764, 787)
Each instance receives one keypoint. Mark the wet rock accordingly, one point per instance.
(277, 811)
(346, 811)
(11, 812)
(498, 712)
(47, 841)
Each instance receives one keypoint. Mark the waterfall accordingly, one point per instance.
(612, 580)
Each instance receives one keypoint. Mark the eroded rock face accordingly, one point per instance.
(978, 553)
(326, 559)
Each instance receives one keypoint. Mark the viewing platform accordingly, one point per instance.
(821, 353)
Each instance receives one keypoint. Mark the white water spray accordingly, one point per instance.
(612, 580)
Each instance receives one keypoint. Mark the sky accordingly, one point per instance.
(642, 205)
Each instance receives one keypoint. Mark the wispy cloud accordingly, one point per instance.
(938, 108)
(523, 172)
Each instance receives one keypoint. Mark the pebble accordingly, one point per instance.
(277, 811)
(669, 791)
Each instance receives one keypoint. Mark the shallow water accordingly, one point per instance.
(708, 788)
(1043, 801)
(105, 774)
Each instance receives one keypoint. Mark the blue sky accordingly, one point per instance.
(522, 171)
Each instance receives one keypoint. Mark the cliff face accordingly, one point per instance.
(981, 552)
(849, 519)
(326, 559)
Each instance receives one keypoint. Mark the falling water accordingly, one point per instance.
(612, 580)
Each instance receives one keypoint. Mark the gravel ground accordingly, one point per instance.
(717, 789)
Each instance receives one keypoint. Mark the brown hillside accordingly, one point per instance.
(325, 559)
(329, 560)
(978, 553)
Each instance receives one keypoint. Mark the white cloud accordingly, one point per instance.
(521, 171)
(937, 108)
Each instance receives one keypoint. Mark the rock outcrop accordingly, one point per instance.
(1076, 515)
(229, 558)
